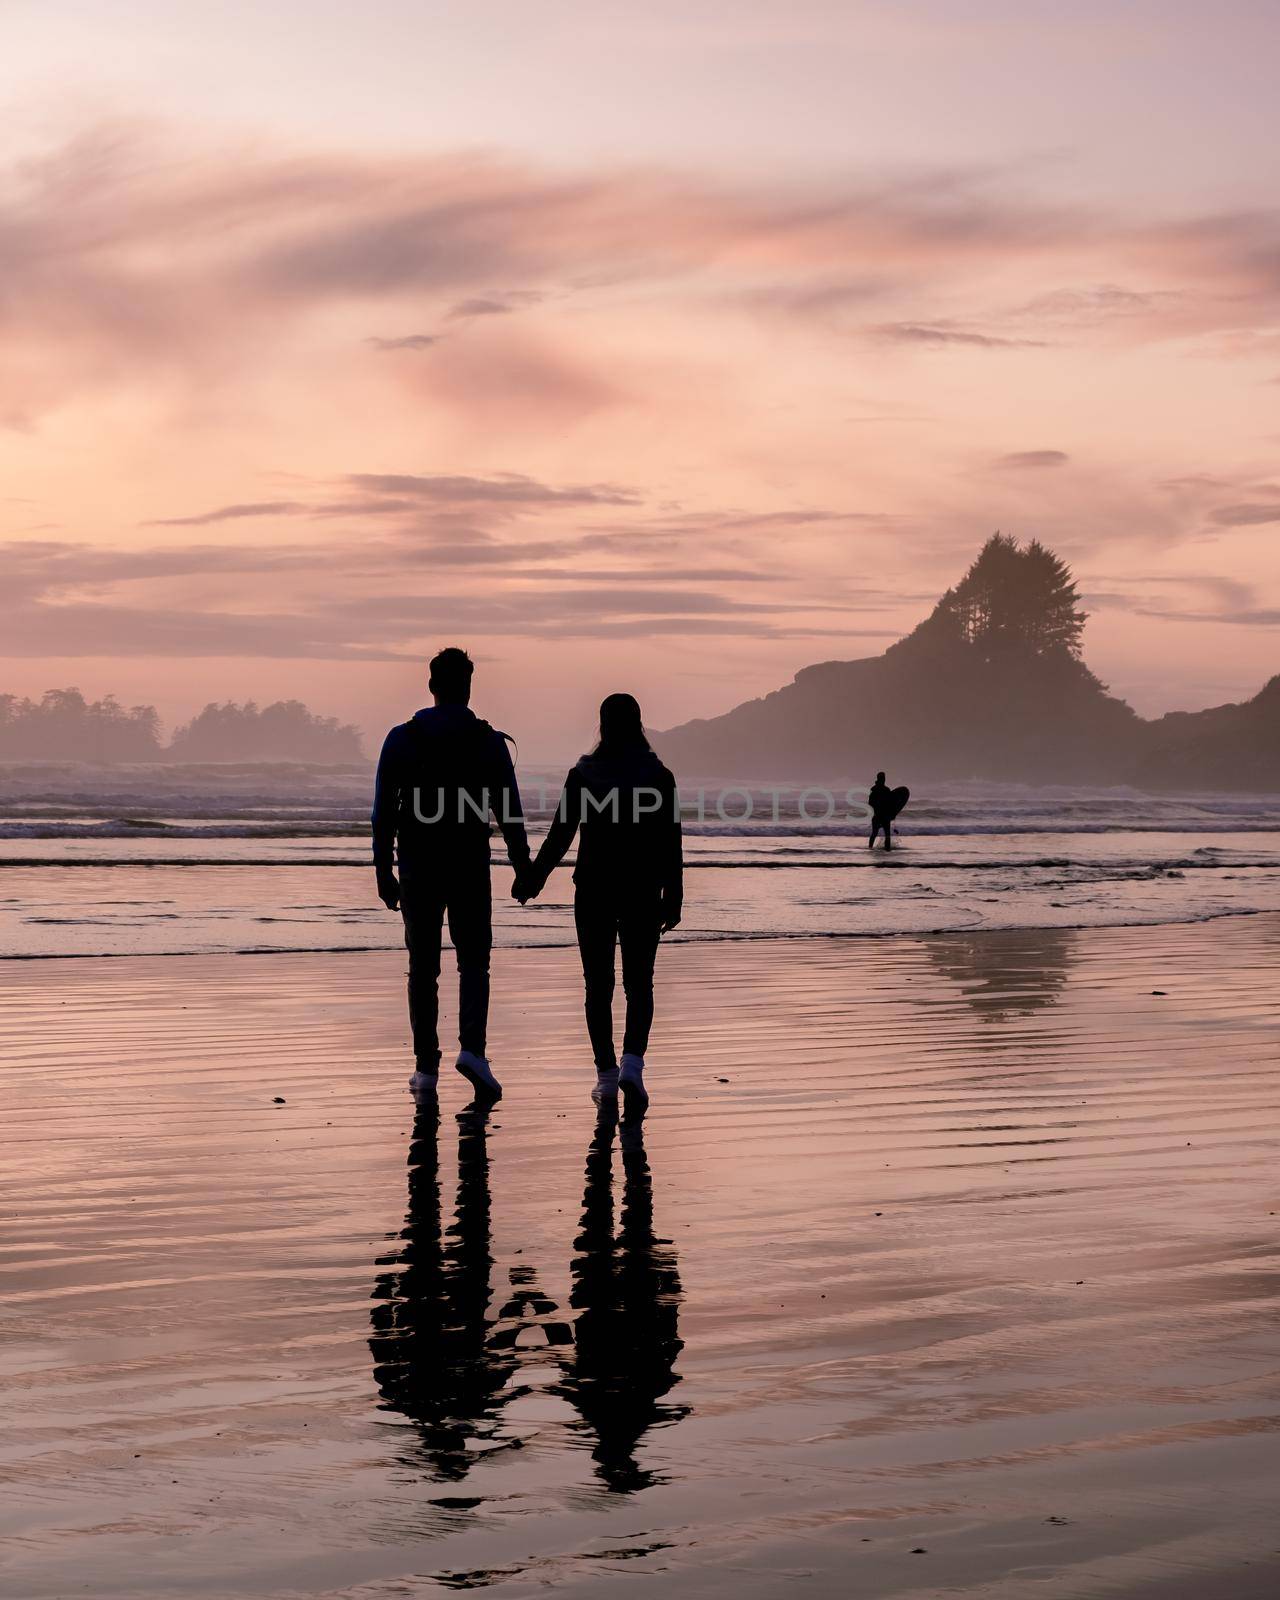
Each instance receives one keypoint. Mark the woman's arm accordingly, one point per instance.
(564, 825)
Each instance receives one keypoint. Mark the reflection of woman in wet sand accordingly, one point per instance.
(626, 1291)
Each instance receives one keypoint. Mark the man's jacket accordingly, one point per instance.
(441, 776)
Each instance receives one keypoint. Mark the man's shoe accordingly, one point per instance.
(606, 1085)
(635, 1097)
(424, 1083)
(476, 1071)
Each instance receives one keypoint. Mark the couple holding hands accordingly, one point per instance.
(440, 778)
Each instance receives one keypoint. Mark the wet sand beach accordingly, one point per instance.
(941, 1266)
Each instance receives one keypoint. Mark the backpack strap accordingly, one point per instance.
(489, 728)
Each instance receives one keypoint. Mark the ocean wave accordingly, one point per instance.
(963, 827)
(154, 828)
(52, 800)
(943, 827)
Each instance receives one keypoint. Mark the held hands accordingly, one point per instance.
(526, 885)
(389, 890)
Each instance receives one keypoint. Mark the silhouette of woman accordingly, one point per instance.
(628, 885)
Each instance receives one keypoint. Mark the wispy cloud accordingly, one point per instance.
(938, 336)
(236, 513)
(406, 341)
(1033, 458)
(508, 489)
(1258, 617)
(392, 494)
(1245, 516)
(493, 305)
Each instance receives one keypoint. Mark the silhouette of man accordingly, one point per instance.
(440, 777)
(880, 799)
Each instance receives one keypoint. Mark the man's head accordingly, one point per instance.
(879, 777)
(450, 680)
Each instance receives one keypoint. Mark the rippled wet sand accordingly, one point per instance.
(941, 1266)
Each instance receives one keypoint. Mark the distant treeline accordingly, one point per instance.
(63, 726)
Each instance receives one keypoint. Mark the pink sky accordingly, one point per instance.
(660, 348)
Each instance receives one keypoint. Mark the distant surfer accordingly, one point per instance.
(885, 805)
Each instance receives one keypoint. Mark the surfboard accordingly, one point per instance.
(897, 799)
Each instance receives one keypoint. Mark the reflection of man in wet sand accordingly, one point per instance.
(438, 1357)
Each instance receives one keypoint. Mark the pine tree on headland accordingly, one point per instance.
(1014, 602)
(991, 685)
(1054, 600)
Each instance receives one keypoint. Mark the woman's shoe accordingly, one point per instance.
(606, 1084)
(427, 1075)
(635, 1097)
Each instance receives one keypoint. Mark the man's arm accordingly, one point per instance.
(507, 808)
(672, 859)
(385, 819)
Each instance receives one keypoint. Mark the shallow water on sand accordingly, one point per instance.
(144, 897)
(939, 1266)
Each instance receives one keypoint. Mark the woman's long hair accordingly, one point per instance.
(621, 727)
